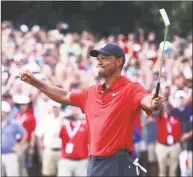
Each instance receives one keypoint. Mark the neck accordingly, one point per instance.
(111, 79)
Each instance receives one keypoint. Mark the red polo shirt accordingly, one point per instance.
(168, 126)
(27, 120)
(74, 140)
(110, 115)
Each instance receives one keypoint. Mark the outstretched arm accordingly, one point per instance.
(54, 93)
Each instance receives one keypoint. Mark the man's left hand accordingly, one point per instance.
(31, 151)
(157, 103)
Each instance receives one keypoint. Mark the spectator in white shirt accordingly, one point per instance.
(47, 132)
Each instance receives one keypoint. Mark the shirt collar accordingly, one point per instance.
(120, 80)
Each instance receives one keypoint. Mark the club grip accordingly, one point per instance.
(157, 90)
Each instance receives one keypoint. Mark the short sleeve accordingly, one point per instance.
(79, 99)
(137, 94)
(20, 130)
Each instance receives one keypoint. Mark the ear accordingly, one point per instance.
(119, 61)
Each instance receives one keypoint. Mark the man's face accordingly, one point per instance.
(168, 109)
(24, 107)
(107, 65)
(181, 102)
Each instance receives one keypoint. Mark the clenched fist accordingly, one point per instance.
(157, 103)
(27, 77)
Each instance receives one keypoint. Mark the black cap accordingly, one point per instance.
(110, 49)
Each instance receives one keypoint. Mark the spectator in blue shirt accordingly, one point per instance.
(136, 139)
(10, 146)
(182, 110)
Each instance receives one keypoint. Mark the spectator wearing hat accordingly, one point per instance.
(10, 147)
(182, 110)
(74, 135)
(14, 110)
(47, 132)
(168, 146)
(26, 118)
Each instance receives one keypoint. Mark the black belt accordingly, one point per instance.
(121, 152)
(55, 149)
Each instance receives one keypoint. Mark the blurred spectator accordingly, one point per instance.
(41, 105)
(150, 127)
(70, 47)
(14, 109)
(74, 159)
(168, 146)
(47, 132)
(10, 146)
(136, 139)
(26, 118)
(182, 110)
(185, 157)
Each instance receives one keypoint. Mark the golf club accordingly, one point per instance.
(167, 23)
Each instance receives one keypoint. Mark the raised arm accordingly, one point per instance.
(54, 93)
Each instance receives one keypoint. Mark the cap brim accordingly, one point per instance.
(95, 53)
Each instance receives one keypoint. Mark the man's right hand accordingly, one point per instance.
(57, 94)
(27, 77)
(16, 148)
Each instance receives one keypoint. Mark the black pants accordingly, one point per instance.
(119, 164)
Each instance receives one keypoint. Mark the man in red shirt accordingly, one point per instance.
(110, 110)
(74, 152)
(168, 147)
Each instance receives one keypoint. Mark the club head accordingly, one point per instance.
(165, 17)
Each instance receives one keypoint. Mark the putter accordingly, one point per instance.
(167, 23)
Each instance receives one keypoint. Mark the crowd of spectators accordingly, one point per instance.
(62, 60)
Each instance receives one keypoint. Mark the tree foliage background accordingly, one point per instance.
(101, 17)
